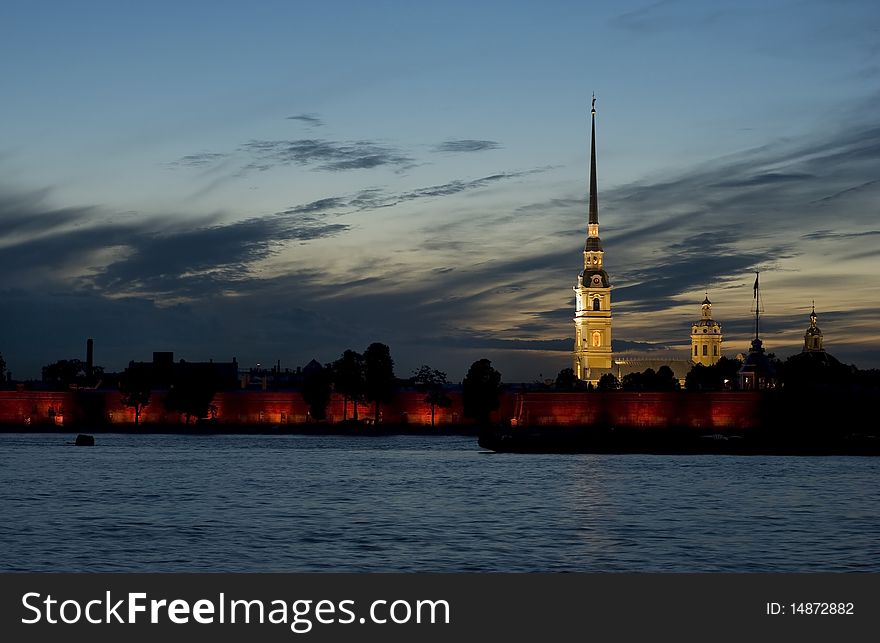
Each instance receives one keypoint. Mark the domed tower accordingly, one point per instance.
(814, 341)
(706, 337)
(592, 320)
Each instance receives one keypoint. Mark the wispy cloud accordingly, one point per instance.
(312, 120)
(157, 256)
(201, 159)
(376, 198)
(466, 145)
(324, 155)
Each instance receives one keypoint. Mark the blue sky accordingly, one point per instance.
(281, 180)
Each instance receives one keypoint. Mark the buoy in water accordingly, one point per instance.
(83, 440)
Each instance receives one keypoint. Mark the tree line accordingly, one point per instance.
(368, 378)
(360, 378)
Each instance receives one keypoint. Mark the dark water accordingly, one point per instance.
(404, 503)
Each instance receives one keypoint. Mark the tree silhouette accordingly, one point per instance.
(135, 385)
(378, 375)
(481, 390)
(607, 383)
(316, 388)
(192, 390)
(566, 380)
(348, 377)
(432, 382)
(64, 372)
(717, 377)
(665, 380)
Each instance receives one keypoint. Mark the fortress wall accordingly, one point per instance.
(707, 411)
(34, 408)
(719, 411)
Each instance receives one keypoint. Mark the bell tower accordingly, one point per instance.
(706, 337)
(592, 319)
(814, 340)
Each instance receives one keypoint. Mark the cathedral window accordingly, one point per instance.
(597, 338)
(596, 304)
(715, 351)
(695, 350)
(705, 350)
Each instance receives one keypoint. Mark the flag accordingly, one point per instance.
(756, 285)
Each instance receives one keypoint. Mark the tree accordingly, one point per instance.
(70, 372)
(665, 380)
(316, 388)
(192, 390)
(432, 382)
(481, 391)
(135, 385)
(607, 383)
(348, 377)
(717, 377)
(63, 373)
(379, 380)
(566, 380)
(638, 381)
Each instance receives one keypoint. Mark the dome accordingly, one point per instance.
(593, 245)
(589, 278)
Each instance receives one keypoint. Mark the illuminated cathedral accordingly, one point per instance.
(592, 355)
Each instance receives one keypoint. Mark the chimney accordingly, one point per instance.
(90, 357)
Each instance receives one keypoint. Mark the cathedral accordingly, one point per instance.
(592, 320)
(592, 356)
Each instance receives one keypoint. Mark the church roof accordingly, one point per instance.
(589, 273)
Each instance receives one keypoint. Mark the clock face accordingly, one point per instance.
(595, 280)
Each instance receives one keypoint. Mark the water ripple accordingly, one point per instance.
(406, 503)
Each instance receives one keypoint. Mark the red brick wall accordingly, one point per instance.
(727, 410)
(35, 408)
(737, 410)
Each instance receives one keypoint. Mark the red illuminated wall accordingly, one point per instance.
(727, 410)
(36, 408)
(717, 411)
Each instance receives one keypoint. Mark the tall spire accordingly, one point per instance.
(594, 197)
(594, 244)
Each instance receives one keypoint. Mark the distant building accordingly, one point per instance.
(164, 370)
(814, 341)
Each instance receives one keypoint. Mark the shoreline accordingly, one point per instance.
(536, 440)
(249, 429)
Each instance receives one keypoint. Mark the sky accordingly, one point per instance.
(286, 180)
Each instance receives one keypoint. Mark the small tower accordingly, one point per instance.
(706, 337)
(814, 341)
(592, 320)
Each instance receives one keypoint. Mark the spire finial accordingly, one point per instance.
(594, 197)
